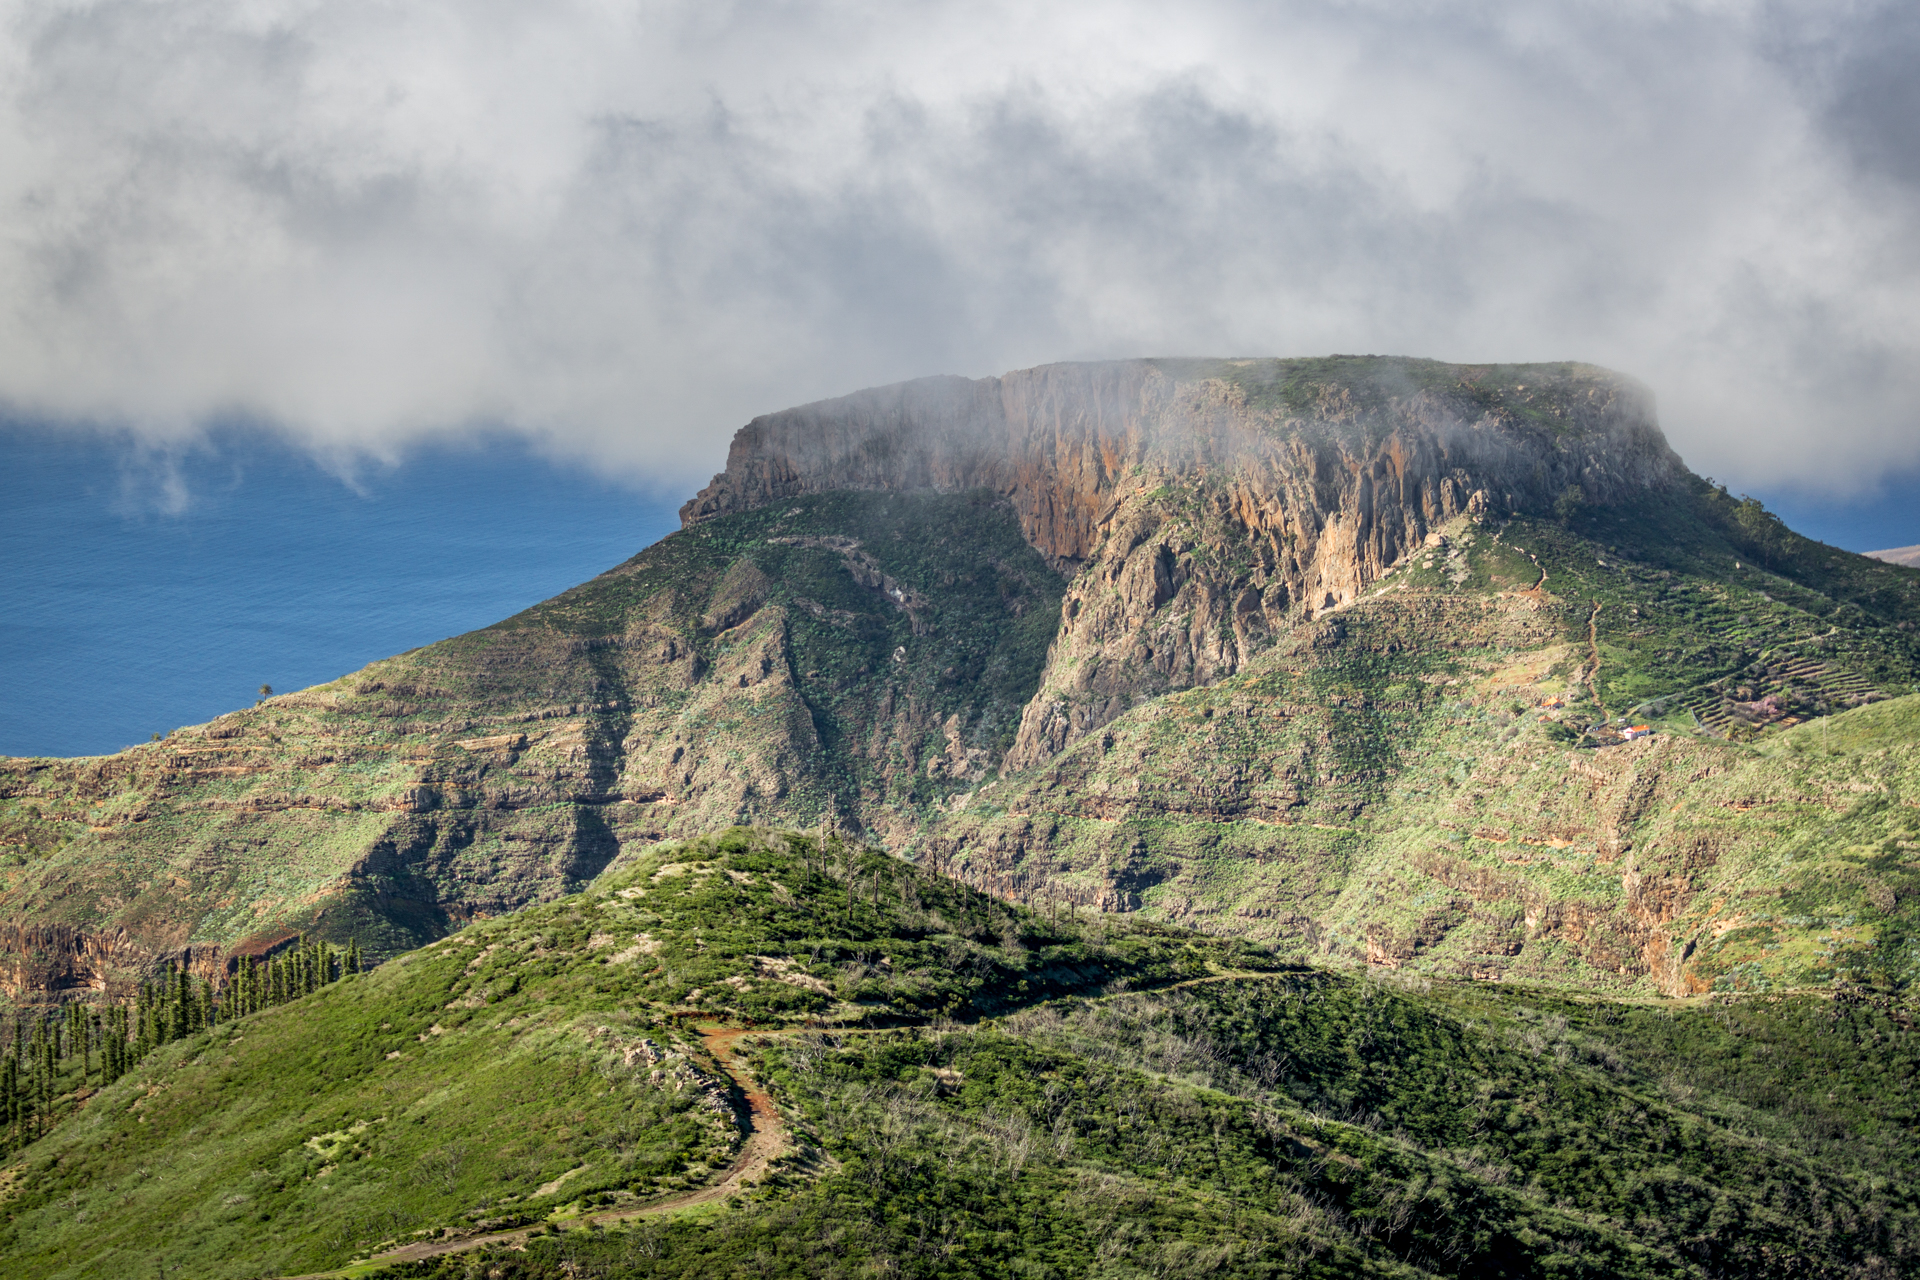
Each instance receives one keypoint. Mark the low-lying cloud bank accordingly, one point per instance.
(623, 229)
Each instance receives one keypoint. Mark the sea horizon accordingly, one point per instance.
(147, 590)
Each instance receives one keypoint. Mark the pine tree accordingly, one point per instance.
(9, 1101)
(150, 1022)
(46, 1069)
(115, 1049)
(16, 1095)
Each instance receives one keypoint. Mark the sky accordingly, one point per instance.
(619, 230)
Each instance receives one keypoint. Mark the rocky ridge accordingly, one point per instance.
(1200, 506)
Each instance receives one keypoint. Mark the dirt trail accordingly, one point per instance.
(766, 1138)
(1593, 661)
(1538, 588)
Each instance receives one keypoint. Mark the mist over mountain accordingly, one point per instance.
(618, 233)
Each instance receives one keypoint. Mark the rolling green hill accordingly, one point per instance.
(542, 1059)
(966, 1088)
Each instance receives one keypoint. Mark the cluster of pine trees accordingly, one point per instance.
(288, 976)
(77, 1046)
(96, 1040)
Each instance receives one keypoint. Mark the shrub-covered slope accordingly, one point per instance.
(1433, 777)
(976, 1090)
(1322, 1125)
(527, 1062)
(1332, 650)
(804, 662)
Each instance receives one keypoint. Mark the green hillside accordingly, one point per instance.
(1304, 683)
(549, 1049)
(968, 1088)
(1433, 778)
(1342, 816)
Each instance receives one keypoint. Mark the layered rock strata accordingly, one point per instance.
(1202, 505)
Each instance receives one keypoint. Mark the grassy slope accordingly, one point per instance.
(455, 1082)
(1320, 1125)
(1398, 782)
(1292, 1123)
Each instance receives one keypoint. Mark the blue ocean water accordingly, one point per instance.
(1886, 516)
(142, 592)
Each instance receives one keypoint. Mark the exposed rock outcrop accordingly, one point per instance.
(1071, 443)
(1201, 504)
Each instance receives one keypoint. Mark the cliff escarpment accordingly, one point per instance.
(1203, 505)
(1381, 448)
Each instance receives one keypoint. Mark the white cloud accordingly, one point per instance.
(625, 228)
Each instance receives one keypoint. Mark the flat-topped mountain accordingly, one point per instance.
(1381, 450)
(1318, 476)
(1337, 654)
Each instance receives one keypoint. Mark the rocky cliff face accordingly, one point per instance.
(1203, 505)
(1376, 446)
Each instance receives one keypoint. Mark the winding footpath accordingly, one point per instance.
(766, 1139)
(1593, 660)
